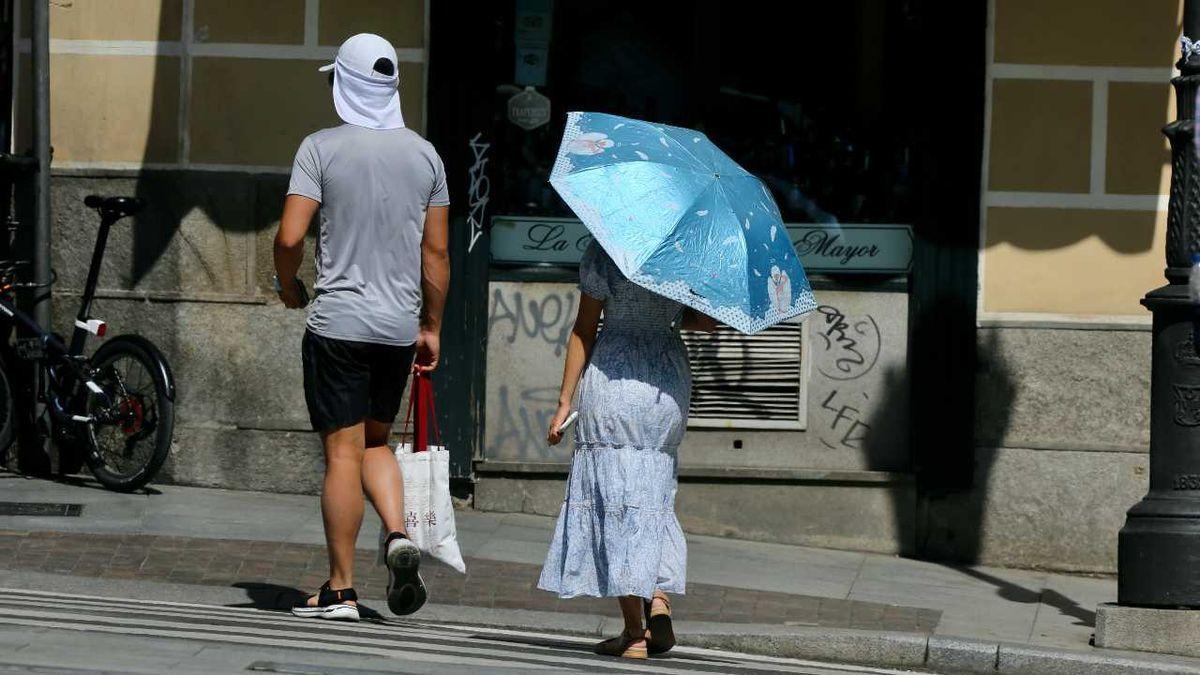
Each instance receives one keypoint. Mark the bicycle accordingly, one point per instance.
(116, 408)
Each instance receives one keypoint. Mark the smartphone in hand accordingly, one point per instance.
(562, 428)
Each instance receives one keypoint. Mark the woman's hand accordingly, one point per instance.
(554, 435)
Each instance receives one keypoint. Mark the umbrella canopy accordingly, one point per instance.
(682, 219)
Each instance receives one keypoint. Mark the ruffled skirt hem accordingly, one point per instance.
(615, 553)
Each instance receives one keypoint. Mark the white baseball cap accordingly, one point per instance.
(361, 52)
(362, 95)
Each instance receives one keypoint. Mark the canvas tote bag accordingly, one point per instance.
(428, 510)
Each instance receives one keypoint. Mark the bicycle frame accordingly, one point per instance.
(56, 353)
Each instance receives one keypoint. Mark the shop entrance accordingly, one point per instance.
(852, 113)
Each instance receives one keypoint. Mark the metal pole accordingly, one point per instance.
(1158, 559)
(41, 140)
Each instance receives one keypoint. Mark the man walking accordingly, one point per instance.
(382, 275)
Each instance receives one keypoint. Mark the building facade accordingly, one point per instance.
(979, 193)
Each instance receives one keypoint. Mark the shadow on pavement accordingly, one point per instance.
(1015, 593)
(277, 598)
(90, 483)
(82, 480)
(535, 641)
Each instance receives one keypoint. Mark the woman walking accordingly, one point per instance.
(617, 534)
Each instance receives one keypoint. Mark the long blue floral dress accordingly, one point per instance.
(617, 533)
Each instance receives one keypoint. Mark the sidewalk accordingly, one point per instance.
(264, 549)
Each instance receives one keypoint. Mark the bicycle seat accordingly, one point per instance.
(115, 206)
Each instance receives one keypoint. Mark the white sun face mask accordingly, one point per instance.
(363, 96)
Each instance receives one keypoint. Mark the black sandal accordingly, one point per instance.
(660, 634)
(331, 604)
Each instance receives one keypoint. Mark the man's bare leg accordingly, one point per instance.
(342, 501)
(384, 485)
(381, 478)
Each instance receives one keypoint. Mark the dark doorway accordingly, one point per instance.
(857, 111)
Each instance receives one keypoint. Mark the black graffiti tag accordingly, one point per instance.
(548, 319)
(523, 420)
(847, 422)
(850, 349)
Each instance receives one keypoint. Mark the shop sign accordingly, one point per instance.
(865, 248)
(851, 248)
(558, 241)
(529, 109)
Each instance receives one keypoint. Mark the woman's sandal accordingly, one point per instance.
(331, 604)
(622, 646)
(660, 635)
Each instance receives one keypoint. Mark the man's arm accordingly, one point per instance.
(289, 245)
(435, 282)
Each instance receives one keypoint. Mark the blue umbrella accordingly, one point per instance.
(682, 219)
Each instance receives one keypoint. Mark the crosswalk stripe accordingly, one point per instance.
(408, 635)
(251, 640)
(320, 630)
(275, 621)
(395, 645)
(713, 653)
(230, 614)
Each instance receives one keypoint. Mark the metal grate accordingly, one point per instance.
(748, 381)
(39, 509)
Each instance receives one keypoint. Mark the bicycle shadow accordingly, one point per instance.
(84, 481)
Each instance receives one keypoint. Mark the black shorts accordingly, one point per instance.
(346, 382)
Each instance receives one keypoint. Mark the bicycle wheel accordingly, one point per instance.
(132, 420)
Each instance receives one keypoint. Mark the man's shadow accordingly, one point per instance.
(277, 598)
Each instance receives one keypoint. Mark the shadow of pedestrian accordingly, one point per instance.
(1051, 598)
(878, 446)
(271, 597)
(277, 598)
(955, 480)
(953, 438)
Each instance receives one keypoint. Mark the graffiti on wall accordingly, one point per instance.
(479, 188)
(846, 348)
(522, 419)
(545, 318)
(528, 328)
(854, 404)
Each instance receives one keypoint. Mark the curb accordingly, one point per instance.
(888, 649)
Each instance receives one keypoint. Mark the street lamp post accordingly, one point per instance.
(1159, 547)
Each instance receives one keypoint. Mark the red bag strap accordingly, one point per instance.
(433, 417)
(422, 413)
(412, 401)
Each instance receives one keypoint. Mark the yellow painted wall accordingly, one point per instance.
(128, 90)
(1077, 166)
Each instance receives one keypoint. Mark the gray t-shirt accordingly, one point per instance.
(374, 186)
